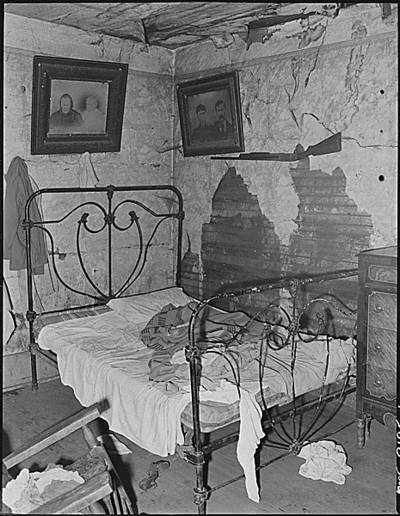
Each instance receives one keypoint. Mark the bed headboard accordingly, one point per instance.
(94, 235)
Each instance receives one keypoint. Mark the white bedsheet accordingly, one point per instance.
(102, 357)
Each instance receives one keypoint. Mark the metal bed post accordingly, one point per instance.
(180, 216)
(110, 220)
(27, 224)
(293, 329)
(192, 354)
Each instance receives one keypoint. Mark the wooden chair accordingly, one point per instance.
(102, 490)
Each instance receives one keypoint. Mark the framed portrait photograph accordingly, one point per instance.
(77, 105)
(210, 113)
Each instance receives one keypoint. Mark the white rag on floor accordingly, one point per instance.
(87, 174)
(30, 491)
(325, 460)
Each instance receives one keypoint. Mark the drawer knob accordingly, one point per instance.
(378, 383)
(378, 347)
(378, 309)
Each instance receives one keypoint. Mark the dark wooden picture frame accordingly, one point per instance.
(62, 90)
(203, 105)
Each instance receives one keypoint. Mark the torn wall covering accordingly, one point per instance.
(239, 243)
(295, 88)
(343, 81)
(146, 133)
(146, 127)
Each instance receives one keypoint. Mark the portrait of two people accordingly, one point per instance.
(68, 120)
(209, 130)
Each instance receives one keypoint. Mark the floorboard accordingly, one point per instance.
(369, 489)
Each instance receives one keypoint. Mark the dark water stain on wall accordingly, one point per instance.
(239, 244)
(332, 230)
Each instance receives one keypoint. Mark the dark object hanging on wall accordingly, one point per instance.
(331, 144)
(18, 190)
(211, 115)
(77, 105)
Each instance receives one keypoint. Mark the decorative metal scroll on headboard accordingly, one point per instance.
(115, 213)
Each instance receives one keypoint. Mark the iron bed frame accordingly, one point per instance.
(196, 456)
(197, 452)
(109, 211)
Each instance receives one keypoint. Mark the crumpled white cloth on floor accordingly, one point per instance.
(29, 491)
(325, 460)
(87, 174)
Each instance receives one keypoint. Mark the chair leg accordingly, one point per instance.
(117, 503)
(109, 505)
(90, 439)
(95, 508)
(119, 497)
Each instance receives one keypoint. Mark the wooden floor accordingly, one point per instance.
(369, 489)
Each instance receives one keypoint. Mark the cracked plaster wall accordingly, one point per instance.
(301, 89)
(146, 133)
(301, 83)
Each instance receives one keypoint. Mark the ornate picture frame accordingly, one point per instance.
(77, 105)
(210, 114)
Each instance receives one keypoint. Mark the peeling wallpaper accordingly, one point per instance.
(300, 83)
(39, 37)
(297, 91)
(146, 133)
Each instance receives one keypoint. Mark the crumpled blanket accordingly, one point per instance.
(167, 332)
(325, 460)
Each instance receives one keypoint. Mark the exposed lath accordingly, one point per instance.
(172, 24)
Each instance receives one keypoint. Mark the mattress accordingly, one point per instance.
(102, 357)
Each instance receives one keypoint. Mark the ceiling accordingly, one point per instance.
(173, 24)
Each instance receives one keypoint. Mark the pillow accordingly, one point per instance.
(140, 308)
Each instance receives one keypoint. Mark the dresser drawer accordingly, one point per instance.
(376, 336)
(381, 382)
(382, 273)
(382, 348)
(382, 310)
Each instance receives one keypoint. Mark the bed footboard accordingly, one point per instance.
(299, 325)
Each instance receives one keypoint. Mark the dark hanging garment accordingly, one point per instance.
(18, 190)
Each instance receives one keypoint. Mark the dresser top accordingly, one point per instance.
(390, 252)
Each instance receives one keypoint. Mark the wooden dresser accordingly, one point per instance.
(376, 338)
